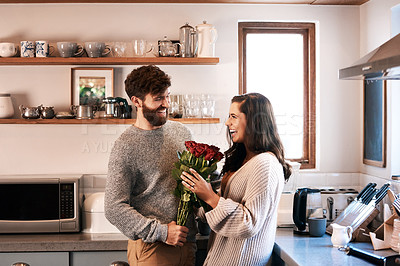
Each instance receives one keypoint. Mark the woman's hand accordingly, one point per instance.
(195, 183)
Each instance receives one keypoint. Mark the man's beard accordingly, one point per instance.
(152, 117)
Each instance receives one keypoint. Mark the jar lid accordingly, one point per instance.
(4, 94)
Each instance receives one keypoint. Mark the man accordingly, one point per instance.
(138, 198)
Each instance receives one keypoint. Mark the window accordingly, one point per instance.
(278, 61)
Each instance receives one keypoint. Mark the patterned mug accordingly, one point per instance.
(27, 49)
(43, 49)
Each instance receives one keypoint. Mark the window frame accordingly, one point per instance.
(307, 30)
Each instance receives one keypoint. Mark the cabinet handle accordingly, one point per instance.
(20, 264)
(118, 263)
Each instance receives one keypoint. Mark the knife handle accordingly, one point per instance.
(364, 190)
(375, 259)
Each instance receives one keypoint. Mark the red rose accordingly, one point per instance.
(191, 146)
(209, 155)
(211, 152)
(219, 156)
(200, 150)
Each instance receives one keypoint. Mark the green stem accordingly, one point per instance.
(183, 212)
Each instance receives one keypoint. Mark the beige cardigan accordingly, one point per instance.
(244, 221)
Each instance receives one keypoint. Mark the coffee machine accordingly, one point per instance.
(117, 107)
(306, 203)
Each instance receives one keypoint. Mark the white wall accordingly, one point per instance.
(375, 29)
(85, 149)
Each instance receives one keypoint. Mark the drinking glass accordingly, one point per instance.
(207, 104)
(192, 105)
(118, 49)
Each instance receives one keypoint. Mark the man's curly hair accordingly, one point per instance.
(146, 79)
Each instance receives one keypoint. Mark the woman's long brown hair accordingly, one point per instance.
(261, 133)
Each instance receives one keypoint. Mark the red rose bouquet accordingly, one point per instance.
(201, 157)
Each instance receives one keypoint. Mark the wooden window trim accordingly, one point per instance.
(308, 30)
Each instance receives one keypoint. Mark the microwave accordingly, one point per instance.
(40, 203)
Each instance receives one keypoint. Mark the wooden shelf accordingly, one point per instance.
(310, 2)
(109, 61)
(104, 121)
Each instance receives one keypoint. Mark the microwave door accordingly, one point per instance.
(29, 207)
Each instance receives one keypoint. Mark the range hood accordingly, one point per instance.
(383, 63)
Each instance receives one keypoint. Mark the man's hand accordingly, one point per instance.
(176, 234)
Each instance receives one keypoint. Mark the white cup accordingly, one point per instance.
(27, 49)
(8, 49)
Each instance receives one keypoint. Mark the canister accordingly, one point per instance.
(6, 106)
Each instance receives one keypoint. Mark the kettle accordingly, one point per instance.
(306, 203)
(188, 41)
(207, 36)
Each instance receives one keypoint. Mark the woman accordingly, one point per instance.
(244, 212)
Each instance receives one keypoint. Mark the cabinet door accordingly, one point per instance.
(36, 258)
(95, 258)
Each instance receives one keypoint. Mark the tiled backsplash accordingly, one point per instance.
(328, 180)
(93, 184)
(96, 183)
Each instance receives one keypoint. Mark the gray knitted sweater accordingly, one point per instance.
(138, 195)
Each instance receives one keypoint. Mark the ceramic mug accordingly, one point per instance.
(8, 49)
(43, 49)
(317, 226)
(97, 49)
(69, 49)
(27, 49)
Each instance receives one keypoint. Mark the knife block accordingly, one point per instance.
(360, 233)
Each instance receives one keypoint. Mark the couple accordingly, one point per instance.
(139, 199)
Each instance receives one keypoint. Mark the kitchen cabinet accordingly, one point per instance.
(96, 258)
(36, 258)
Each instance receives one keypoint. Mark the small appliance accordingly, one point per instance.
(94, 220)
(117, 107)
(40, 203)
(306, 203)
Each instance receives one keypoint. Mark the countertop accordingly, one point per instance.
(70, 242)
(291, 248)
(305, 250)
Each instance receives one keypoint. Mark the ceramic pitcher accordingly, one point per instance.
(341, 235)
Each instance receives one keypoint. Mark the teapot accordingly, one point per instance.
(30, 112)
(341, 235)
(167, 48)
(47, 112)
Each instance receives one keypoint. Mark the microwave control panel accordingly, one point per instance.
(67, 198)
